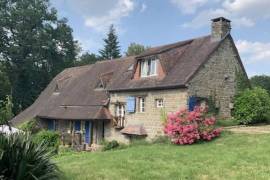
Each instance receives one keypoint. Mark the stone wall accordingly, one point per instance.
(151, 118)
(217, 78)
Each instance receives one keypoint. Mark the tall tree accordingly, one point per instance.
(262, 81)
(135, 49)
(111, 45)
(35, 45)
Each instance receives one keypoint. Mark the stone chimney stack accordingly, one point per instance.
(220, 27)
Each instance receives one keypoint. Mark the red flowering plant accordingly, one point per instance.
(184, 127)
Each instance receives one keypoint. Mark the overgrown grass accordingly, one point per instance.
(232, 156)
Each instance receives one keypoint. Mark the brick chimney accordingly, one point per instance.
(220, 27)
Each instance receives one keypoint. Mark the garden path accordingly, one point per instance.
(258, 129)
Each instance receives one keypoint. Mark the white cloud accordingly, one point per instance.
(254, 52)
(143, 7)
(244, 13)
(100, 23)
(189, 6)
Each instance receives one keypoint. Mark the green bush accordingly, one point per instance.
(50, 138)
(110, 145)
(30, 126)
(21, 158)
(252, 106)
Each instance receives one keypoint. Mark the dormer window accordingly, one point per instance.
(149, 67)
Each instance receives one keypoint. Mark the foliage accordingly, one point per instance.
(30, 126)
(252, 106)
(51, 139)
(20, 158)
(4, 82)
(184, 127)
(163, 115)
(87, 58)
(111, 47)
(135, 49)
(35, 45)
(242, 82)
(110, 145)
(6, 110)
(262, 81)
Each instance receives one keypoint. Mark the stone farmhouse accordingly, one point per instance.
(124, 98)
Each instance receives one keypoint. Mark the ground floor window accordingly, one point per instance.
(141, 104)
(119, 115)
(159, 103)
(77, 126)
(51, 124)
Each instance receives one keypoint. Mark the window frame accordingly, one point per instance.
(160, 103)
(149, 67)
(141, 104)
(120, 110)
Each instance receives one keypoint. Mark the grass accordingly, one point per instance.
(232, 156)
(227, 122)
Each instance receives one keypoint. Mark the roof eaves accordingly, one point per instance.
(149, 88)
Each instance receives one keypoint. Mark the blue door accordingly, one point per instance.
(192, 102)
(88, 127)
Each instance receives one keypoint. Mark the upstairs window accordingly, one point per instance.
(149, 67)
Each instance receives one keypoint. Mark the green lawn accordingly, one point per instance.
(232, 156)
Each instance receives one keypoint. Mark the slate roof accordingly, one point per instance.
(73, 94)
(179, 60)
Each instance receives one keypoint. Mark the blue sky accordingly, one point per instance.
(158, 22)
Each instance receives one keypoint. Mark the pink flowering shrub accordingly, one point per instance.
(184, 127)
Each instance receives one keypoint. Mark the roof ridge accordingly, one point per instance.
(167, 47)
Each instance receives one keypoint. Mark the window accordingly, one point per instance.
(77, 126)
(131, 103)
(119, 110)
(159, 103)
(149, 67)
(51, 124)
(119, 120)
(141, 104)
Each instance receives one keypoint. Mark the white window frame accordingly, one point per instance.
(159, 103)
(120, 110)
(149, 67)
(141, 104)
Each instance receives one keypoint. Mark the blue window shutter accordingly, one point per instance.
(131, 104)
(77, 125)
(192, 103)
(50, 124)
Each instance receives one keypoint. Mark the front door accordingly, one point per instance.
(88, 127)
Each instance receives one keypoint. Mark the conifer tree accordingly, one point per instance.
(111, 45)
